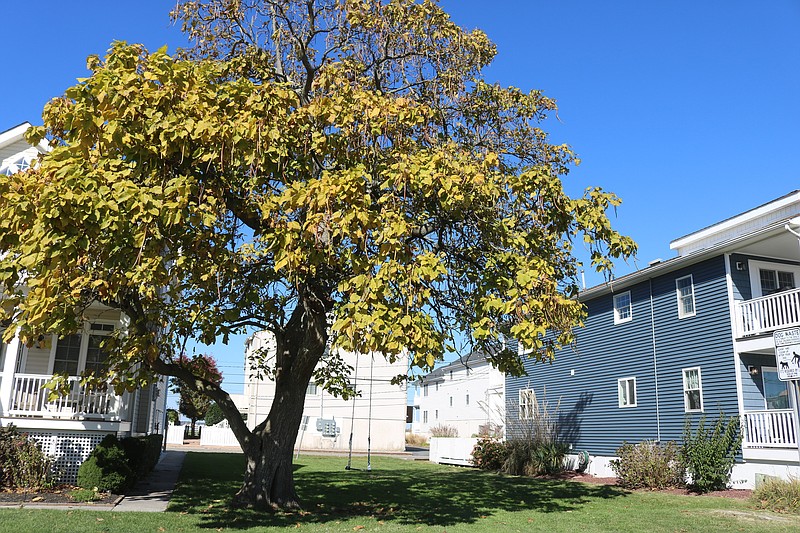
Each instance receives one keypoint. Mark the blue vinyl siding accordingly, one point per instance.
(589, 415)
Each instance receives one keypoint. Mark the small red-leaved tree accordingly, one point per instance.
(192, 403)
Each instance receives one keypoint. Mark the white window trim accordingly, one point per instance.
(764, 386)
(755, 280)
(635, 393)
(521, 393)
(617, 319)
(681, 314)
(84, 333)
(699, 386)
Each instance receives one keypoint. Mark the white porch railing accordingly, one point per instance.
(768, 313)
(768, 429)
(29, 399)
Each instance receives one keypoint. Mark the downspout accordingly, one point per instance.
(655, 358)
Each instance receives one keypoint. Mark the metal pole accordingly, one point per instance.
(796, 412)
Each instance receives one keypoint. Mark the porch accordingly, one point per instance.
(772, 428)
(768, 313)
(28, 398)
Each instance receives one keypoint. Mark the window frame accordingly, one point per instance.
(772, 369)
(755, 275)
(424, 417)
(681, 312)
(687, 390)
(617, 318)
(627, 381)
(527, 399)
(85, 333)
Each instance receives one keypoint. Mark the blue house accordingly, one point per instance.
(686, 337)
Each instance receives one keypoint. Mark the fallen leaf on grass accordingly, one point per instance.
(358, 528)
(37, 499)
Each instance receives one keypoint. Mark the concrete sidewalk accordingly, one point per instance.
(152, 494)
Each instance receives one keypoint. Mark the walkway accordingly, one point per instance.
(152, 494)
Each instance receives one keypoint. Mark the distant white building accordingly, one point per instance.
(467, 394)
(379, 411)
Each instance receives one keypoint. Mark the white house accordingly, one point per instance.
(69, 427)
(467, 394)
(378, 414)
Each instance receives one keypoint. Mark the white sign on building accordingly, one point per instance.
(787, 353)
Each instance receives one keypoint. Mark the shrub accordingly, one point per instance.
(649, 465)
(22, 463)
(525, 457)
(142, 453)
(412, 439)
(710, 452)
(107, 468)
(489, 454)
(214, 415)
(778, 495)
(444, 431)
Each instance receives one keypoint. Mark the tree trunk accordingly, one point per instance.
(269, 477)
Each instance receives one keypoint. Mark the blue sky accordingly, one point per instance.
(689, 111)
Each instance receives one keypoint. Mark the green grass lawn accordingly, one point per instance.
(410, 496)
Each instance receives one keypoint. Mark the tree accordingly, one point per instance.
(173, 417)
(306, 160)
(193, 403)
(214, 415)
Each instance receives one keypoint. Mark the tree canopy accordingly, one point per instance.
(303, 160)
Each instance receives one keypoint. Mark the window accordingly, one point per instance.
(527, 401)
(425, 390)
(437, 414)
(467, 399)
(626, 389)
(437, 385)
(623, 309)
(773, 281)
(776, 392)
(83, 352)
(68, 354)
(451, 375)
(692, 390)
(312, 389)
(685, 290)
(424, 417)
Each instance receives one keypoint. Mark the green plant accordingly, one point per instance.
(649, 465)
(709, 452)
(444, 431)
(173, 417)
(412, 439)
(214, 415)
(142, 453)
(778, 495)
(107, 468)
(489, 454)
(525, 457)
(22, 463)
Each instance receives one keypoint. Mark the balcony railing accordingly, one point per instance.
(768, 313)
(769, 429)
(29, 399)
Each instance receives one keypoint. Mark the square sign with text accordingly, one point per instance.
(787, 353)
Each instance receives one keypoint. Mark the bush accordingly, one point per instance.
(444, 431)
(214, 415)
(107, 468)
(648, 465)
(525, 457)
(412, 439)
(710, 452)
(489, 454)
(778, 495)
(142, 453)
(22, 463)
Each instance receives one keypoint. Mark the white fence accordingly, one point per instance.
(768, 313)
(769, 429)
(217, 436)
(452, 451)
(29, 398)
(175, 434)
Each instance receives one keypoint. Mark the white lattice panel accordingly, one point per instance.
(67, 449)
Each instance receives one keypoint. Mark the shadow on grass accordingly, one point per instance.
(403, 492)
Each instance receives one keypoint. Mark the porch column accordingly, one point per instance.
(13, 351)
